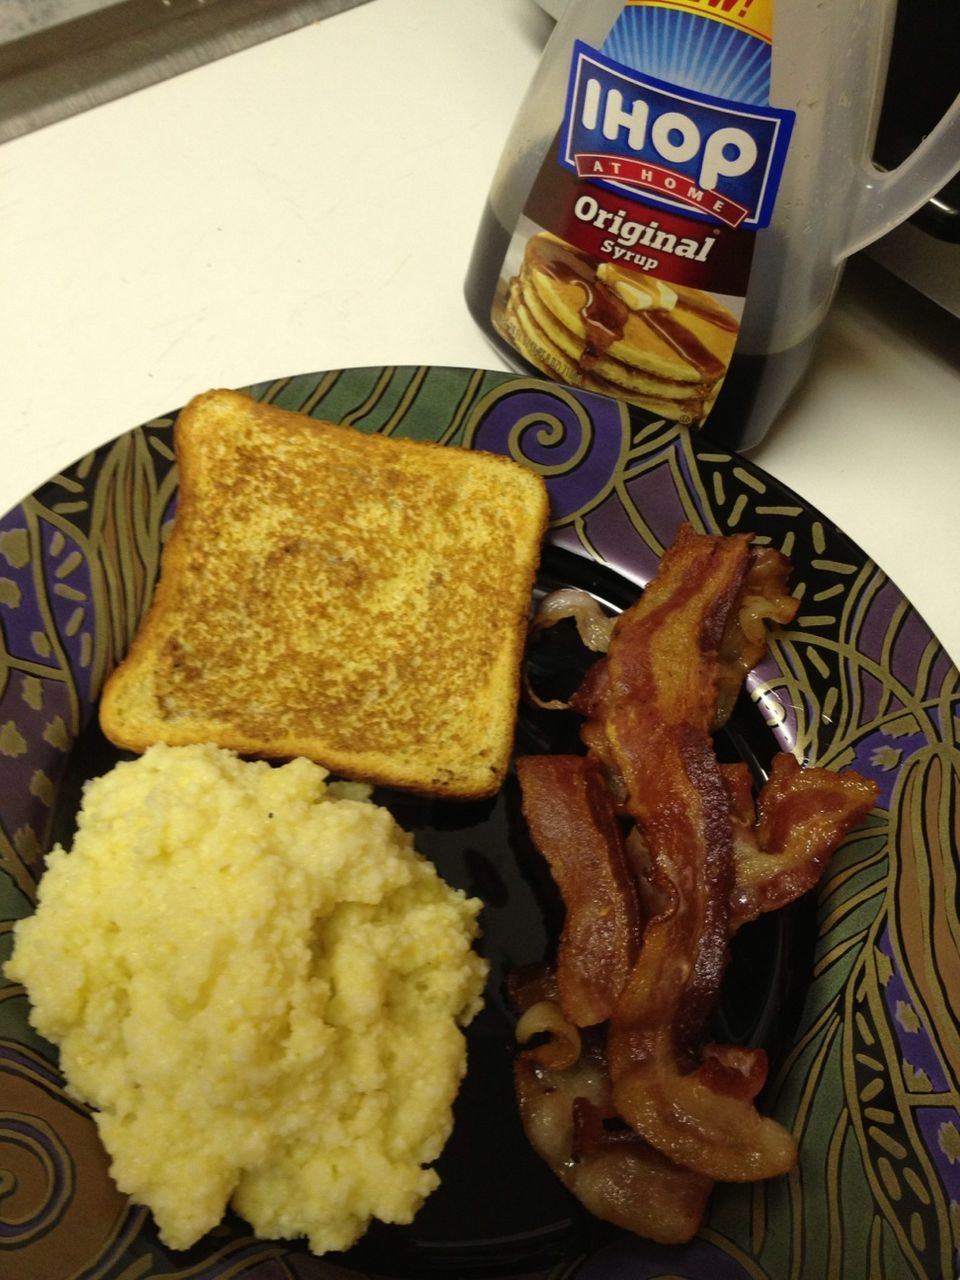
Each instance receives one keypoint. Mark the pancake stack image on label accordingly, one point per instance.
(618, 331)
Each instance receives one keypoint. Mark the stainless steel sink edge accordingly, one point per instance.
(82, 63)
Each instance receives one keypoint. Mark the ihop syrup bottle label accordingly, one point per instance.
(627, 269)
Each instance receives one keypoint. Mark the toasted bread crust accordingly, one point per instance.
(355, 599)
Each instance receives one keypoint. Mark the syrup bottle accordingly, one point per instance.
(678, 195)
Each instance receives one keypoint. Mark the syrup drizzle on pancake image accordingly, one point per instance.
(610, 329)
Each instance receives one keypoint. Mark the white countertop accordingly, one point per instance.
(311, 204)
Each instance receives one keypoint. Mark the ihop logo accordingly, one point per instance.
(716, 159)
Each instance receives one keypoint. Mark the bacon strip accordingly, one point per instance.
(650, 720)
(764, 598)
(802, 815)
(652, 723)
(571, 817)
(702, 859)
(614, 1174)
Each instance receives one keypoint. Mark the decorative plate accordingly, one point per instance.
(856, 994)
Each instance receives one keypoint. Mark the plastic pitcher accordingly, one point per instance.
(679, 193)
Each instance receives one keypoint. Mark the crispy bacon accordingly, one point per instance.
(703, 1119)
(683, 614)
(703, 859)
(612, 1172)
(764, 598)
(571, 817)
(653, 724)
(801, 817)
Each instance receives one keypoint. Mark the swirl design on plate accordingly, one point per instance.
(35, 1178)
(871, 1080)
(574, 441)
(59, 1210)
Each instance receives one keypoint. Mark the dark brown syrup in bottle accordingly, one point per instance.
(483, 276)
(754, 392)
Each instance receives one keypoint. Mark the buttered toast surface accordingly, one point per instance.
(355, 599)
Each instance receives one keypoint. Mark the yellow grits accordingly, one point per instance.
(259, 984)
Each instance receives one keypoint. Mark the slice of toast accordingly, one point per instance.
(355, 599)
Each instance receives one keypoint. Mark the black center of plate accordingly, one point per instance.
(499, 1211)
